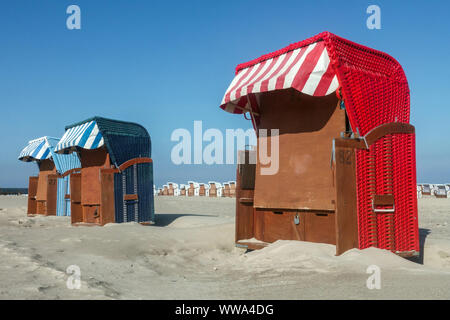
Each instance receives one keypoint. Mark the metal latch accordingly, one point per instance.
(296, 219)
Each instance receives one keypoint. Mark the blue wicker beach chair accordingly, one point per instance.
(115, 183)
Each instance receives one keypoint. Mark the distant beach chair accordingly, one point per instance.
(170, 189)
(116, 178)
(174, 189)
(183, 190)
(232, 185)
(440, 191)
(49, 193)
(194, 189)
(226, 190)
(215, 189)
(203, 190)
(426, 189)
(419, 191)
(190, 189)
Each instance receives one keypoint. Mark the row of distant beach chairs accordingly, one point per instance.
(436, 190)
(196, 189)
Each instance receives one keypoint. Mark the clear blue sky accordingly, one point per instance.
(166, 64)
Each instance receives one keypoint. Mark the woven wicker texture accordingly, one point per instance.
(137, 179)
(375, 91)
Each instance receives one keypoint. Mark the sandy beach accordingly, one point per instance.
(190, 254)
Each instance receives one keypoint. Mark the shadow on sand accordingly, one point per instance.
(164, 219)
(423, 233)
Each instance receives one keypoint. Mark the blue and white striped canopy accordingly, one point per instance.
(43, 148)
(86, 136)
(38, 149)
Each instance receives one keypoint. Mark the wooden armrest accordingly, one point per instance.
(130, 197)
(246, 200)
(131, 162)
(373, 135)
(69, 172)
(387, 128)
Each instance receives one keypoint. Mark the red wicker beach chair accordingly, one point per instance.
(347, 168)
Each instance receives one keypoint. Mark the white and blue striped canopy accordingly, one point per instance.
(38, 149)
(86, 136)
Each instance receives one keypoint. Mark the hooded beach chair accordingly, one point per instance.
(170, 189)
(345, 142)
(173, 189)
(194, 189)
(203, 190)
(182, 190)
(426, 189)
(176, 190)
(49, 193)
(215, 189)
(232, 185)
(226, 190)
(116, 177)
(190, 189)
(440, 191)
(419, 191)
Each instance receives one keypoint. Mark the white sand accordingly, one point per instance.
(190, 254)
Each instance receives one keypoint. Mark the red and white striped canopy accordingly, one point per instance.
(306, 69)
